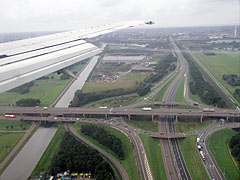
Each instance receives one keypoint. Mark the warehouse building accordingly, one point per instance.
(123, 59)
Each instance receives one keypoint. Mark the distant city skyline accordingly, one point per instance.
(57, 15)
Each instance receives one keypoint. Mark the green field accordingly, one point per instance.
(179, 94)
(14, 125)
(185, 107)
(45, 90)
(218, 145)
(192, 158)
(144, 125)
(46, 159)
(154, 155)
(129, 163)
(126, 82)
(7, 143)
(189, 127)
(221, 63)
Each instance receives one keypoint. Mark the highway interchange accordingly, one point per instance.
(173, 161)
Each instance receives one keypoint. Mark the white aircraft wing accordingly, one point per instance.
(29, 59)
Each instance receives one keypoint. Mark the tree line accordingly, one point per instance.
(104, 138)
(29, 102)
(202, 87)
(232, 79)
(162, 68)
(81, 98)
(235, 146)
(75, 156)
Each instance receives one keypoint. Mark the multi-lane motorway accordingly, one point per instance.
(172, 157)
(120, 111)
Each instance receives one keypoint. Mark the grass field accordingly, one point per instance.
(115, 101)
(129, 163)
(46, 159)
(160, 94)
(154, 155)
(221, 63)
(192, 158)
(218, 145)
(126, 82)
(14, 125)
(185, 107)
(188, 127)
(9, 140)
(179, 94)
(45, 90)
(144, 125)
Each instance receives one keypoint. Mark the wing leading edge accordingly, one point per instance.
(30, 59)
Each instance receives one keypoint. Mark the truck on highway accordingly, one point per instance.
(45, 108)
(208, 110)
(146, 109)
(198, 140)
(103, 107)
(202, 156)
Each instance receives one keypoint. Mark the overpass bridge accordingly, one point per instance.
(38, 111)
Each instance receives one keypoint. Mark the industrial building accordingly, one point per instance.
(122, 59)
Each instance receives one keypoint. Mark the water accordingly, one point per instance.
(77, 84)
(26, 160)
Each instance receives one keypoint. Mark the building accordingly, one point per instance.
(122, 59)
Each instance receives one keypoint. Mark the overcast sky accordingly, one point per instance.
(50, 15)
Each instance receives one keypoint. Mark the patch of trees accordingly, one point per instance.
(29, 102)
(209, 53)
(75, 156)
(81, 98)
(235, 146)
(163, 67)
(201, 87)
(23, 89)
(237, 94)
(64, 77)
(104, 138)
(232, 79)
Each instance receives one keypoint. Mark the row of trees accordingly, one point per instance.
(232, 79)
(202, 87)
(163, 67)
(29, 102)
(104, 138)
(81, 98)
(75, 156)
(235, 146)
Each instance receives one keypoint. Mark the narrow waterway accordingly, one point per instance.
(77, 84)
(26, 160)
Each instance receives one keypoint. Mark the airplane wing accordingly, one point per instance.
(29, 59)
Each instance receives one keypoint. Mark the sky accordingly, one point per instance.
(55, 15)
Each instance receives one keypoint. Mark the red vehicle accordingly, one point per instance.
(10, 116)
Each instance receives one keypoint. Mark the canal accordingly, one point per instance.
(24, 163)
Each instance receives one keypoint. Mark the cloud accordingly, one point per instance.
(38, 15)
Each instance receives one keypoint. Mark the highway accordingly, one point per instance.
(118, 165)
(210, 164)
(119, 111)
(172, 157)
